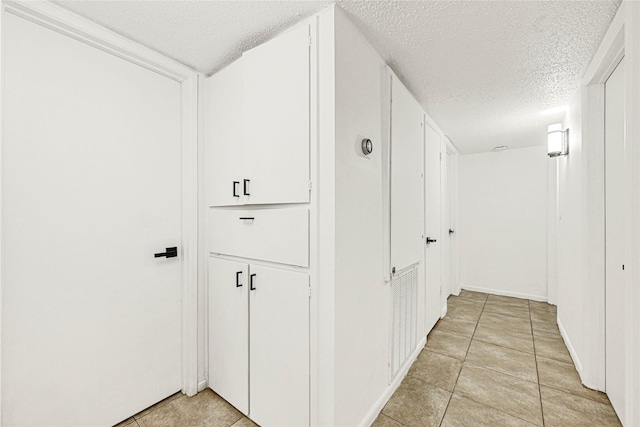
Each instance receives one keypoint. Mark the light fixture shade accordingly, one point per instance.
(557, 141)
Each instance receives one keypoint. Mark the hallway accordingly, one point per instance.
(495, 360)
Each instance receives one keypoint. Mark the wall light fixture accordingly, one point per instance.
(557, 140)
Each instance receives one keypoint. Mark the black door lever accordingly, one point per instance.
(170, 253)
(451, 231)
(430, 240)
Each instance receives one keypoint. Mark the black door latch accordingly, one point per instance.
(170, 253)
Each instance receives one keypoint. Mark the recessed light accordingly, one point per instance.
(500, 148)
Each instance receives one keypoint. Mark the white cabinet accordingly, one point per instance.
(276, 235)
(279, 342)
(229, 331)
(258, 126)
(224, 129)
(259, 323)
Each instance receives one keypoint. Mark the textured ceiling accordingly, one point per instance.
(490, 73)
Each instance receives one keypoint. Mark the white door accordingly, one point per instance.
(432, 226)
(277, 114)
(91, 189)
(406, 178)
(446, 226)
(616, 232)
(279, 343)
(224, 126)
(229, 331)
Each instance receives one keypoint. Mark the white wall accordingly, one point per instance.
(362, 315)
(581, 233)
(503, 222)
(570, 223)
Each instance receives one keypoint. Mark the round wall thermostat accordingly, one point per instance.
(367, 146)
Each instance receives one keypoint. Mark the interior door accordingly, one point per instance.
(432, 226)
(277, 111)
(406, 178)
(229, 331)
(616, 232)
(91, 188)
(279, 342)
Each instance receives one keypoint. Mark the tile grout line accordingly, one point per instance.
(535, 356)
(444, 414)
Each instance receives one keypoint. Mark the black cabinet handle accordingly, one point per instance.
(235, 183)
(248, 218)
(238, 284)
(170, 253)
(251, 287)
(451, 231)
(430, 240)
(246, 181)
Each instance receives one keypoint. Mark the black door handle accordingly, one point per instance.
(238, 284)
(170, 253)
(451, 231)
(235, 189)
(246, 181)
(430, 240)
(251, 287)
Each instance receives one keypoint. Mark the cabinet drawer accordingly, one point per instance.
(277, 235)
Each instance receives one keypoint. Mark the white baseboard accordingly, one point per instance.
(505, 293)
(572, 350)
(391, 388)
(444, 311)
(202, 385)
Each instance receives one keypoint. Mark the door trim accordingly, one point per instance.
(67, 23)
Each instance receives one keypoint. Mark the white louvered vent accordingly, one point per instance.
(405, 295)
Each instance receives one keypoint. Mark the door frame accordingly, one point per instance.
(622, 39)
(68, 23)
(451, 193)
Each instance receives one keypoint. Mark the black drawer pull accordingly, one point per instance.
(251, 287)
(238, 284)
(235, 183)
(248, 218)
(246, 181)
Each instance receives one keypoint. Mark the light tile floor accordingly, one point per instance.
(491, 361)
(495, 361)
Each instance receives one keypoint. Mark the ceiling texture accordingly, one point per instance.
(489, 73)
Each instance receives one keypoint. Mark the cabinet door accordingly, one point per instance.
(279, 340)
(224, 137)
(229, 331)
(276, 105)
(276, 235)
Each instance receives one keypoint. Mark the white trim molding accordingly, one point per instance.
(504, 293)
(393, 386)
(65, 22)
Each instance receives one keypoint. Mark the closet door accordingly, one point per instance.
(407, 209)
(276, 106)
(225, 139)
(279, 342)
(229, 331)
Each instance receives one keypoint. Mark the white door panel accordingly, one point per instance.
(91, 190)
(432, 251)
(406, 178)
(278, 235)
(224, 125)
(229, 331)
(277, 113)
(616, 232)
(279, 342)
